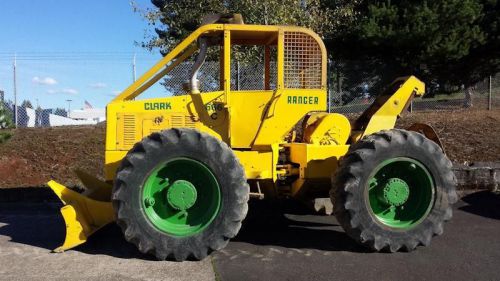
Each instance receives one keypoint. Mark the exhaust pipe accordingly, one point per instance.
(194, 83)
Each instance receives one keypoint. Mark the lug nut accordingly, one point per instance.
(149, 202)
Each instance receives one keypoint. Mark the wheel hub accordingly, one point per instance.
(181, 195)
(396, 192)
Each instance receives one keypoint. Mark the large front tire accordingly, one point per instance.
(180, 194)
(394, 190)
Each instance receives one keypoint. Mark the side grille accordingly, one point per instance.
(177, 121)
(182, 121)
(189, 123)
(129, 130)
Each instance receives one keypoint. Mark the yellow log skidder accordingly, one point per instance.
(179, 170)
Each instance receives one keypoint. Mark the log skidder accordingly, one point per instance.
(180, 169)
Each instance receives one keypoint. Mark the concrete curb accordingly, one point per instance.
(478, 175)
(470, 177)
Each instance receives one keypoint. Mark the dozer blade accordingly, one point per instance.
(83, 215)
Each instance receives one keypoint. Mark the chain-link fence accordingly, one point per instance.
(244, 77)
(351, 94)
(346, 95)
(29, 117)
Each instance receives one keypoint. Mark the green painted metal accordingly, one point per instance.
(396, 191)
(181, 197)
(400, 192)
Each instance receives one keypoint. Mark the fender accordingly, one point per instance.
(427, 131)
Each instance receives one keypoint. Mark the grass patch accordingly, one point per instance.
(5, 136)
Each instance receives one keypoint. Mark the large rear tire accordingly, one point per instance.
(180, 194)
(394, 190)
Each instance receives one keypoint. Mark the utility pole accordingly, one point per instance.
(329, 84)
(69, 107)
(133, 69)
(489, 93)
(237, 76)
(339, 85)
(15, 89)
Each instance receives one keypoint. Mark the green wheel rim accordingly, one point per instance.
(181, 197)
(401, 193)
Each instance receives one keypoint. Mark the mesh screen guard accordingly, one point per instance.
(303, 60)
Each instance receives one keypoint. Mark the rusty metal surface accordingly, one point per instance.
(427, 131)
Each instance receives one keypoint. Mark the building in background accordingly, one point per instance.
(88, 113)
(29, 117)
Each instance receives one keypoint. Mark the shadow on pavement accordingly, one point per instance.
(482, 203)
(284, 223)
(41, 225)
(287, 223)
(32, 224)
(109, 241)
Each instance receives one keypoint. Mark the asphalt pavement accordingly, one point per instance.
(280, 240)
(296, 245)
(28, 233)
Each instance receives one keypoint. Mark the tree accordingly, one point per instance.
(5, 117)
(26, 104)
(174, 20)
(61, 112)
(448, 43)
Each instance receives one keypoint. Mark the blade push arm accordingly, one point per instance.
(384, 111)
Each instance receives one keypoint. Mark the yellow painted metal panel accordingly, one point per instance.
(227, 78)
(317, 162)
(249, 106)
(227, 65)
(329, 128)
(257, 164)
(112, 159)
(276, 150)
(385, 116)
(267, 68)
(111, 123)
(281, 59)
(252, 27)
(323, 158)
(286, 108)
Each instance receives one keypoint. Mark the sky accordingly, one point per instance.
(72, 50)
